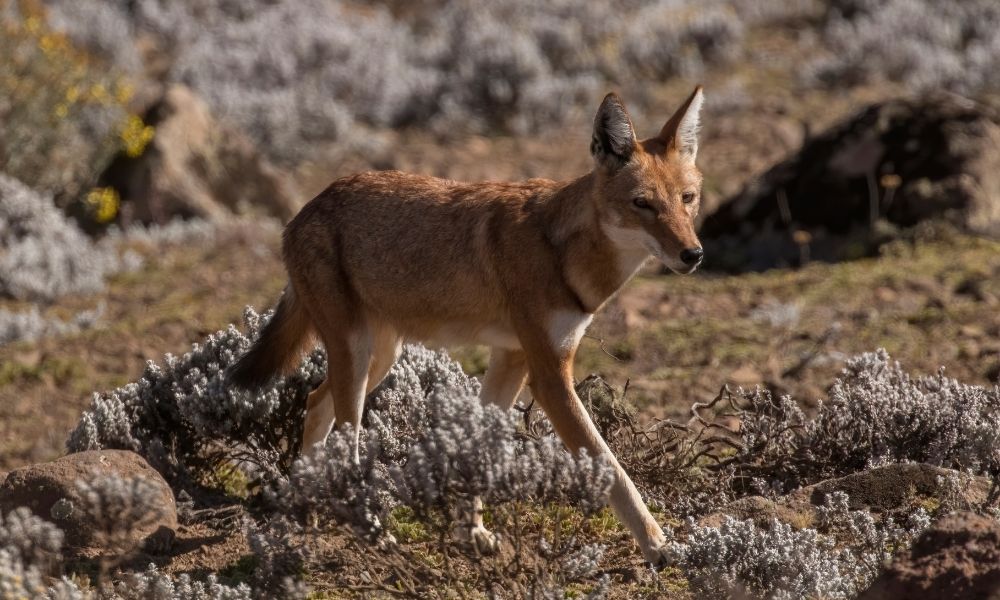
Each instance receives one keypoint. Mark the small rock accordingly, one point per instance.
(49, 490)
(958, 558)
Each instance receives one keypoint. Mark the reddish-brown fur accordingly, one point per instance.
(380, 258)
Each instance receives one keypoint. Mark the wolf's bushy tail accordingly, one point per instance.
(279, 344)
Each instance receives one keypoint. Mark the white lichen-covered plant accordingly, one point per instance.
(923, 44)
(740, 559)
(178, 412)
(429, 445)
(329, 71)
(117, 507)
(875, 413)
(45, 255)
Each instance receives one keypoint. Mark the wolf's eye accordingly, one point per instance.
(641, 203)
(688, 197)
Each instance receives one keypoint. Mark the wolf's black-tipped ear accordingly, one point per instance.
(614, 137)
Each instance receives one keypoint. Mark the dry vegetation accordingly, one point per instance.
(117, 337)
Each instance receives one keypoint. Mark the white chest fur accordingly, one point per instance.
(566, 328)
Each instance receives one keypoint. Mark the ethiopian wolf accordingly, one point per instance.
(381, 258)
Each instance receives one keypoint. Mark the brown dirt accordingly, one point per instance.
(201, 549)
(958, 558)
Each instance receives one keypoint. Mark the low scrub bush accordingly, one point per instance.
(152, 584)
(31, 540)
(329, 70)
(175, 232)
(333, 71)
(665, 43)
(117, 507)
(463, 450)
(740, 559)
(45, 255)
(750, 442)
(876, 413)
(924, 45)
(31, 560)
(20, 580)
(429, 447)
(30, 553)
(183, 418)
(30, 325)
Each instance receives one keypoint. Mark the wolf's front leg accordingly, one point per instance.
(552, 387)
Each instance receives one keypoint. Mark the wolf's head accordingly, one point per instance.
(648, 192)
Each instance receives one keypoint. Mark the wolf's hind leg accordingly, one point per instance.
(319, 416)
(503, 383)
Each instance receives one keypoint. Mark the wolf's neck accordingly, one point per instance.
(597, 258)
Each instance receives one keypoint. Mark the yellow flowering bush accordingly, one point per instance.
(64, 113)
(102, 204)
(135, 136)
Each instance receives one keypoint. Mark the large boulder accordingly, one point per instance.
(956, 559)
(901, 161)
(196, 166)
(50, 491)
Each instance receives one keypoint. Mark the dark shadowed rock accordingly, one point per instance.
(903, 161)
(196, 166)
(49, 490)
(956, 559)
(883, 490)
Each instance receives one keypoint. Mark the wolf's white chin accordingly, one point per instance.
(681, 269)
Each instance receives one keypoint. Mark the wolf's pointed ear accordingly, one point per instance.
(614, 137)
(681, 131)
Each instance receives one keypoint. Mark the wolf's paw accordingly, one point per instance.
(659, 557)
(484, 541)
(656, 549)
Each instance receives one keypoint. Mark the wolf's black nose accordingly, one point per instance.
(692, 256)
